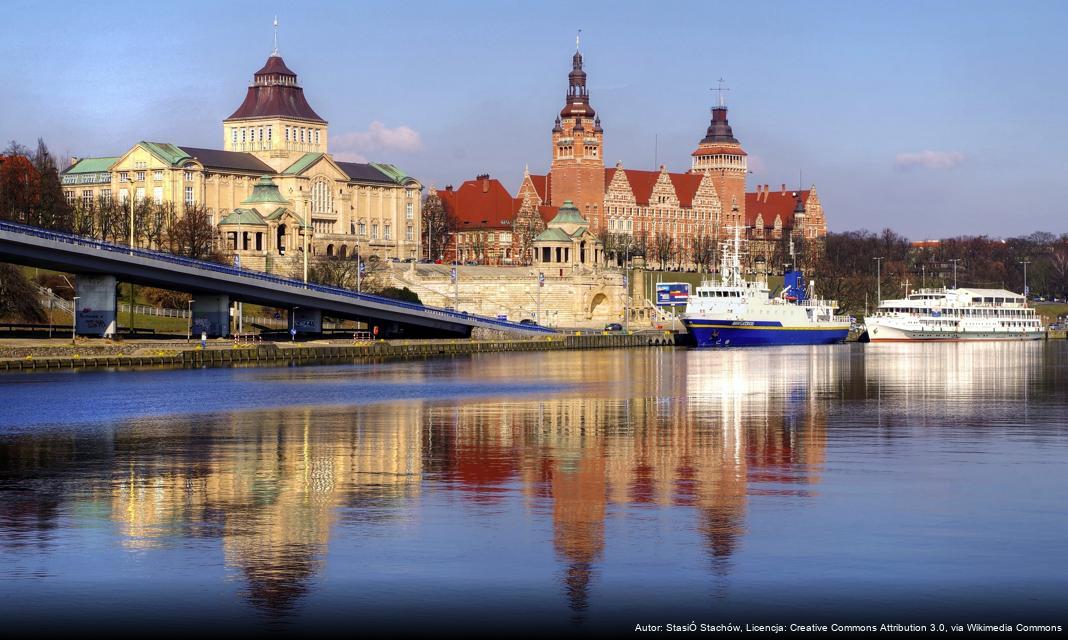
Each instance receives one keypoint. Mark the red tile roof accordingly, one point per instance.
(733, 150)
(547, 213)
(778, 203)
(686, 185)
(543, 185)
(642, 183)
(481, 204)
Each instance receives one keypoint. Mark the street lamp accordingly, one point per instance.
(74, 319)
(879, 278)
(189, 327)
(954, 261)
(1025, 291)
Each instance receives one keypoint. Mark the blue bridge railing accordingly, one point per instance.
(81, 241)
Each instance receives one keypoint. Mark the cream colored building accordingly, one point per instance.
(370, 208)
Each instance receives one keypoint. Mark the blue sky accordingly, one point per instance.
(933, 118)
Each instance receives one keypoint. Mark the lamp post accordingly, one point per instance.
(305, 230)
(1025, 291)
(955, 261)
(923, 276)
(879, 278)
(74, 319)
(189, 326)
(50, 298)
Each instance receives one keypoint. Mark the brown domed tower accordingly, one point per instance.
(578, 155)
(720, 156)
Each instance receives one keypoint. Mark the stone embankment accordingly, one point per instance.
(286, 354)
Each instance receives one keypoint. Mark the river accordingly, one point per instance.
(548, 491)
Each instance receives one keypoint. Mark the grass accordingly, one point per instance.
(1050, 311)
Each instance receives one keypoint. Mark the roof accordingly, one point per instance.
(715, 148)
(265, 192)
(686, 186)
(165, 151)
(365, 172)
(302, 163)
(393, 172)
(274, 92)
(547, 213)
(92, 165)
(641, 183)
(483, 203)
(553, 234)
(719, 130)
(774, 203)
(234, 160)
(244, 216)
(542, 185)
(568, 214)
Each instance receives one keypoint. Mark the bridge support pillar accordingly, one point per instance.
(211, 315)
(96, 305)
(306, 320)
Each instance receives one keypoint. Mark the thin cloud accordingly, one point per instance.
(356, 146)
(929, 160)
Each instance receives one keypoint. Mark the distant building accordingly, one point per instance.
(349, 207)
(567, 243)
(485, 219)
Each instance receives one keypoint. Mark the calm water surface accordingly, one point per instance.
(570, 490)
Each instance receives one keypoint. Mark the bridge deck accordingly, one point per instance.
(31, 246)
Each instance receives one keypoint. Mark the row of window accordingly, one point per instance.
(264, 135)
(124, 195)
(685, 214)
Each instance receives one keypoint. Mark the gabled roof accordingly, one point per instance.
(248, 217)
(542, 185)
(366, 172)
(547, 213)
(302, 163)
(641, 183)
(553, 234)
(393, 172)
(770, 204)
(165, 151)
(92, 165)
(483, 203)
(233, 160)
(686, 185)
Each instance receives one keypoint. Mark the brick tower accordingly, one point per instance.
(578, 155)
(720, 156)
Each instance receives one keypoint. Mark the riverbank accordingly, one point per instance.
(167, 355)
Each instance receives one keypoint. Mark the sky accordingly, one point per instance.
(932, 118)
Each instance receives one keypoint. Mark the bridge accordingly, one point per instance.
(99, 266)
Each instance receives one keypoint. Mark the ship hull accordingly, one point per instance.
(882, 332)
(733, 333)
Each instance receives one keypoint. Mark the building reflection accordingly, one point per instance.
(704, 434)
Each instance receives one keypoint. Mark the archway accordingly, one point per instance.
(329, 250)
(281, 244)
(599, 308)
(343, 251)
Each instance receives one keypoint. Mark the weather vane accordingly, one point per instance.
(577, 39)
(275, 52)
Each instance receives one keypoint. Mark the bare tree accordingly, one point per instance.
(663, 248)
(703, 251)
(438, 226)
(193, 235)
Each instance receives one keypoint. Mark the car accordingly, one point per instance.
(527, 321)
(426, 261)
(613, 326)
(409, 260)
(471, 263)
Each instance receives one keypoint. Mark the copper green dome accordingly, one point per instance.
(568, 214)
(265, 192)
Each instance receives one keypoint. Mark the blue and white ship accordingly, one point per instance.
(735, 312)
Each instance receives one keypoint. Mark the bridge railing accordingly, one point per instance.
(81, 241)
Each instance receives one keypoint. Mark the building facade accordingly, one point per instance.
(366, 208)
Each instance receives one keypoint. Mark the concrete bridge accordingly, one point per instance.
(100, 266)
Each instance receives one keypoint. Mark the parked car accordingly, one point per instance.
(613, 326)
(527, 321)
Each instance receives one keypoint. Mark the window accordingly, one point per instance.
(189, 196)
(361, 228)
(87, 198)
(387, 231)
(322, 199)
(261, 134)
(409, 233)
(124, 195)
(157, 176)
(105, 195)
(242, 135)
(408, 193)
(188, 176)
(302, 135)
(316, 136)
(269, 130)
(287, 134)
(70, 197)
(233, 135)
(157, 194)
(140, 176)
(374, 231)
(409, 211)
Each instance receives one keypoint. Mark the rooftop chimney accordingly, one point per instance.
(783, 188)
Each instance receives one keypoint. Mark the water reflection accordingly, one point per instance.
(680, 437)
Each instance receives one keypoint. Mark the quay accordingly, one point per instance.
(286, 354)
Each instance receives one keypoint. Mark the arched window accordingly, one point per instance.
(322, 200)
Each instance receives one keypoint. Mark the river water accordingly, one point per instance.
(568, 491)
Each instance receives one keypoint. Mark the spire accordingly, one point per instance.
(722, 104)
(577, 40)
(578, 98)
(274, 52)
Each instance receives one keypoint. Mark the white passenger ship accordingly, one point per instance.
(955, 314)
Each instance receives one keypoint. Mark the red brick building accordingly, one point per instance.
(486, 220)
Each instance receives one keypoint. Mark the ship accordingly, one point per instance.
(736, 312)
(954, 315)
